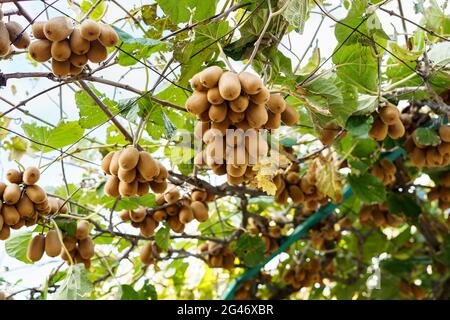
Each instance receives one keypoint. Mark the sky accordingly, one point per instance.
(46, 106)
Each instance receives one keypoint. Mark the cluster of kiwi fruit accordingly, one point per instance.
(23, 202)
(378, 215)
(441, 192)
(140, 220)
(270, 231)
(132, 173)
(225, 100)
(244, 292)
(304, 275)
(217, 255)
(384, 170)
(80, 247)
(411, 290)
(387, 122)
(322, 234)
(429, 156)
(329, 132)
(149, 253)
(70, 47)
(12, 34)
(301, 189)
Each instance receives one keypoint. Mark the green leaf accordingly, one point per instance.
(89, 112)
(76, 286)
(162, 237)
(359, 125)
(403, 203)
(427, 136)
(16, 246)
(180, 11)
(364, 148)
(99, 10)
(439, 55)
(296, 13)
(368, 188)
(250, 249)
(68, 226)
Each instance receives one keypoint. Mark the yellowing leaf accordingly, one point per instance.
(328, 181)
(266, 184)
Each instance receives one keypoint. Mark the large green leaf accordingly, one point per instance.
(368, 188)
(250, 249)
(427, 136)
(76, 286)
(162, 237)
(89, 112)
(180, 11)
(16, 246)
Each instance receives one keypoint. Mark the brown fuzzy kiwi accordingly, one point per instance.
(97, 52)
(396, 130)
(172, 210)
(204, 116)
(2, 189)
(36, 248)
(235, 117)
(78, 44)
(290, 115)
(14, 176)
(90, 30)
(282, 197)
(387, 165)
(198, 102)
(433, 157)
(236, 171)
(58, 29)
(108, 37)
(389, 114)
(239, 104)
(200, 129)
(138, 215)
(296, 194)
(11, 194)
(147, 166)
(276, 103)
(74, 70)
(250, 83)
(106, 162)
(60, 50)
(210, 76)
(219, 169)
(17, 35)
(129, 158)
(37, 29)
(127, 176)
(143, 188)
(274, 120)
(175, 224)
(112, 186)
(5, 232)
(293, 178)
(70, 243)
(200, 210)
(128, 189)
(163, 173)
(31, 175)
(146, 254)
(52, 244)
(218, 113)
(199, 195)
(25, 207)
(60, 68)
(186, 214)
(196, 84)
(256, 115)
(148, 227)
(160, 215)
(221, 126)
(114, 165)
(40, 50)
(379, 130)
(10, 215)
(82, 231)
(214, 97)
(158, 187)
(444, 133)
(261, 97)
(172, 195)
(234, 181)
(229, 86)
(444, 148)
(86, 248)
(328, 133)
(5, 46)
(306, 186)
(418, 157)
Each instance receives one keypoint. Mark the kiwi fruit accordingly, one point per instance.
(172, 195)
(61, 50)
(328, 133)
(158, 187)
(138, 215)
(31, 175)
(389, 114)
(17, 35)
(58, 29)
(25, 207)
(236, 171)
(40, 50)
(148, 227)
(127, 176)
(256, 115)
(143, 188)
(444, 133)
(163, 174)
(196, 84)
(219, 169)
(60, 68)
(175, 224)
(418, 157)
(114, 165)
(108, 37)
(78, 44)
(5, 45)
(82, 231)
(379, 130)
(147, 166)
(209, 78)
(276, 103)
(52, 244)
(10, 215)
(444, 148)
(97, 52)
(90, 30)
(200, 128)
(14, 176)
(112, 186)
(128, 189)
(218, 113)
(5, 232)
(106, 162)
(146, 255)
(200, 211)
(74, 70)
(11, 194)
(396, 130)
(37, 29)
(214, 97)
(290, 115)
(229, 86)
(262, 97)
(198, 102)
(274, 120)
(186, 214)
(36, 248)
(433, 157)
(240, 104)
(199, 195)
(234, 181)
(160, 215)
(235, 117)
(250, 83)
(86, 248)
(129, 158)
